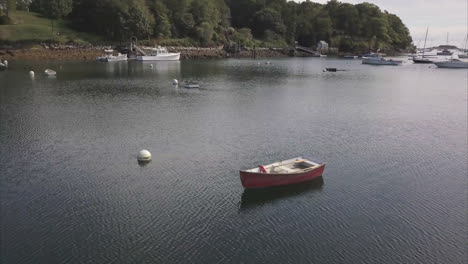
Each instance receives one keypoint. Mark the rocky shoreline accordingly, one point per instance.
(89, 53)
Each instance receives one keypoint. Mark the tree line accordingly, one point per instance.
(247, 22)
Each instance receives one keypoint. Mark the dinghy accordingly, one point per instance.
(50, 72)
(283, 172)
(191, 84)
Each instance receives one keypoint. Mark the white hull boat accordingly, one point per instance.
(109, 57)
(2, 66)
(119, 57)
(454, 63)
(50, 72)
(463, 56)
(380, 61)
(191, 85)
(169, 57)
(159, 54)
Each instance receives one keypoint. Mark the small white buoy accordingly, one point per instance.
(151, 65)
(5, 62)
(144, 156)
(31, 73)
(175, 82)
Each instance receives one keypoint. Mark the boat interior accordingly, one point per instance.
(295, 165)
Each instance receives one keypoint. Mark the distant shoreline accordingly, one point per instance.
(90, 53)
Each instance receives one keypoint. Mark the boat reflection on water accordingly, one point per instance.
(257, 197)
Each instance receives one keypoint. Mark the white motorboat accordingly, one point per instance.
(3, 66)
(378, 60)
(453, 63)
(159, 54)
(191, 84)
(118, 57)
(110, 57)
(350, 57)
(50, 72)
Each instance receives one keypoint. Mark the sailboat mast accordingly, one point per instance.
(424, 49)
(447, 38)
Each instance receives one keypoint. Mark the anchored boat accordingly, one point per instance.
(50, 72)
(159, 54)
(110, 57)
(380, 61)
(453, 63)
(191, 84)
(283, 172)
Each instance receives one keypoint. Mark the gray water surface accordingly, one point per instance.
(394, 140)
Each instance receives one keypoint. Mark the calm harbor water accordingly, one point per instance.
(394, 140)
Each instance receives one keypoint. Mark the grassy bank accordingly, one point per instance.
(31, 27)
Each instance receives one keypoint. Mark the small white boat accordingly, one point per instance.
(2, 66)
(378, 60)
(110, 57)
(453, 63)
(50, 72)
(350, 57)
(118, 57)
(159, 54)
(191, 84)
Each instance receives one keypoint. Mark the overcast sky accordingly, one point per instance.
(440, 16)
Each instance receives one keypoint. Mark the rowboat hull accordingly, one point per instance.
(263, 180)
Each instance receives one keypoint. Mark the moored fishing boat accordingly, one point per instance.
(159, 54)
(283, 172)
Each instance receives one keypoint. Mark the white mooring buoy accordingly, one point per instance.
(175, 82)
(151, 65)
(5, 62)
(31, 73)
(144, 156)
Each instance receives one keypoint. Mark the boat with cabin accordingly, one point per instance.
(453, 63)
(110, 57)
(279, 173)
(159, 54)
(378, 60)
(444, 52)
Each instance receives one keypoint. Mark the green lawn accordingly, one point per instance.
(29, 26)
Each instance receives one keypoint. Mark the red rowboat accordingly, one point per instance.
(281, 173)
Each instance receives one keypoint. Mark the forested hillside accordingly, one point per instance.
(247, 22)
